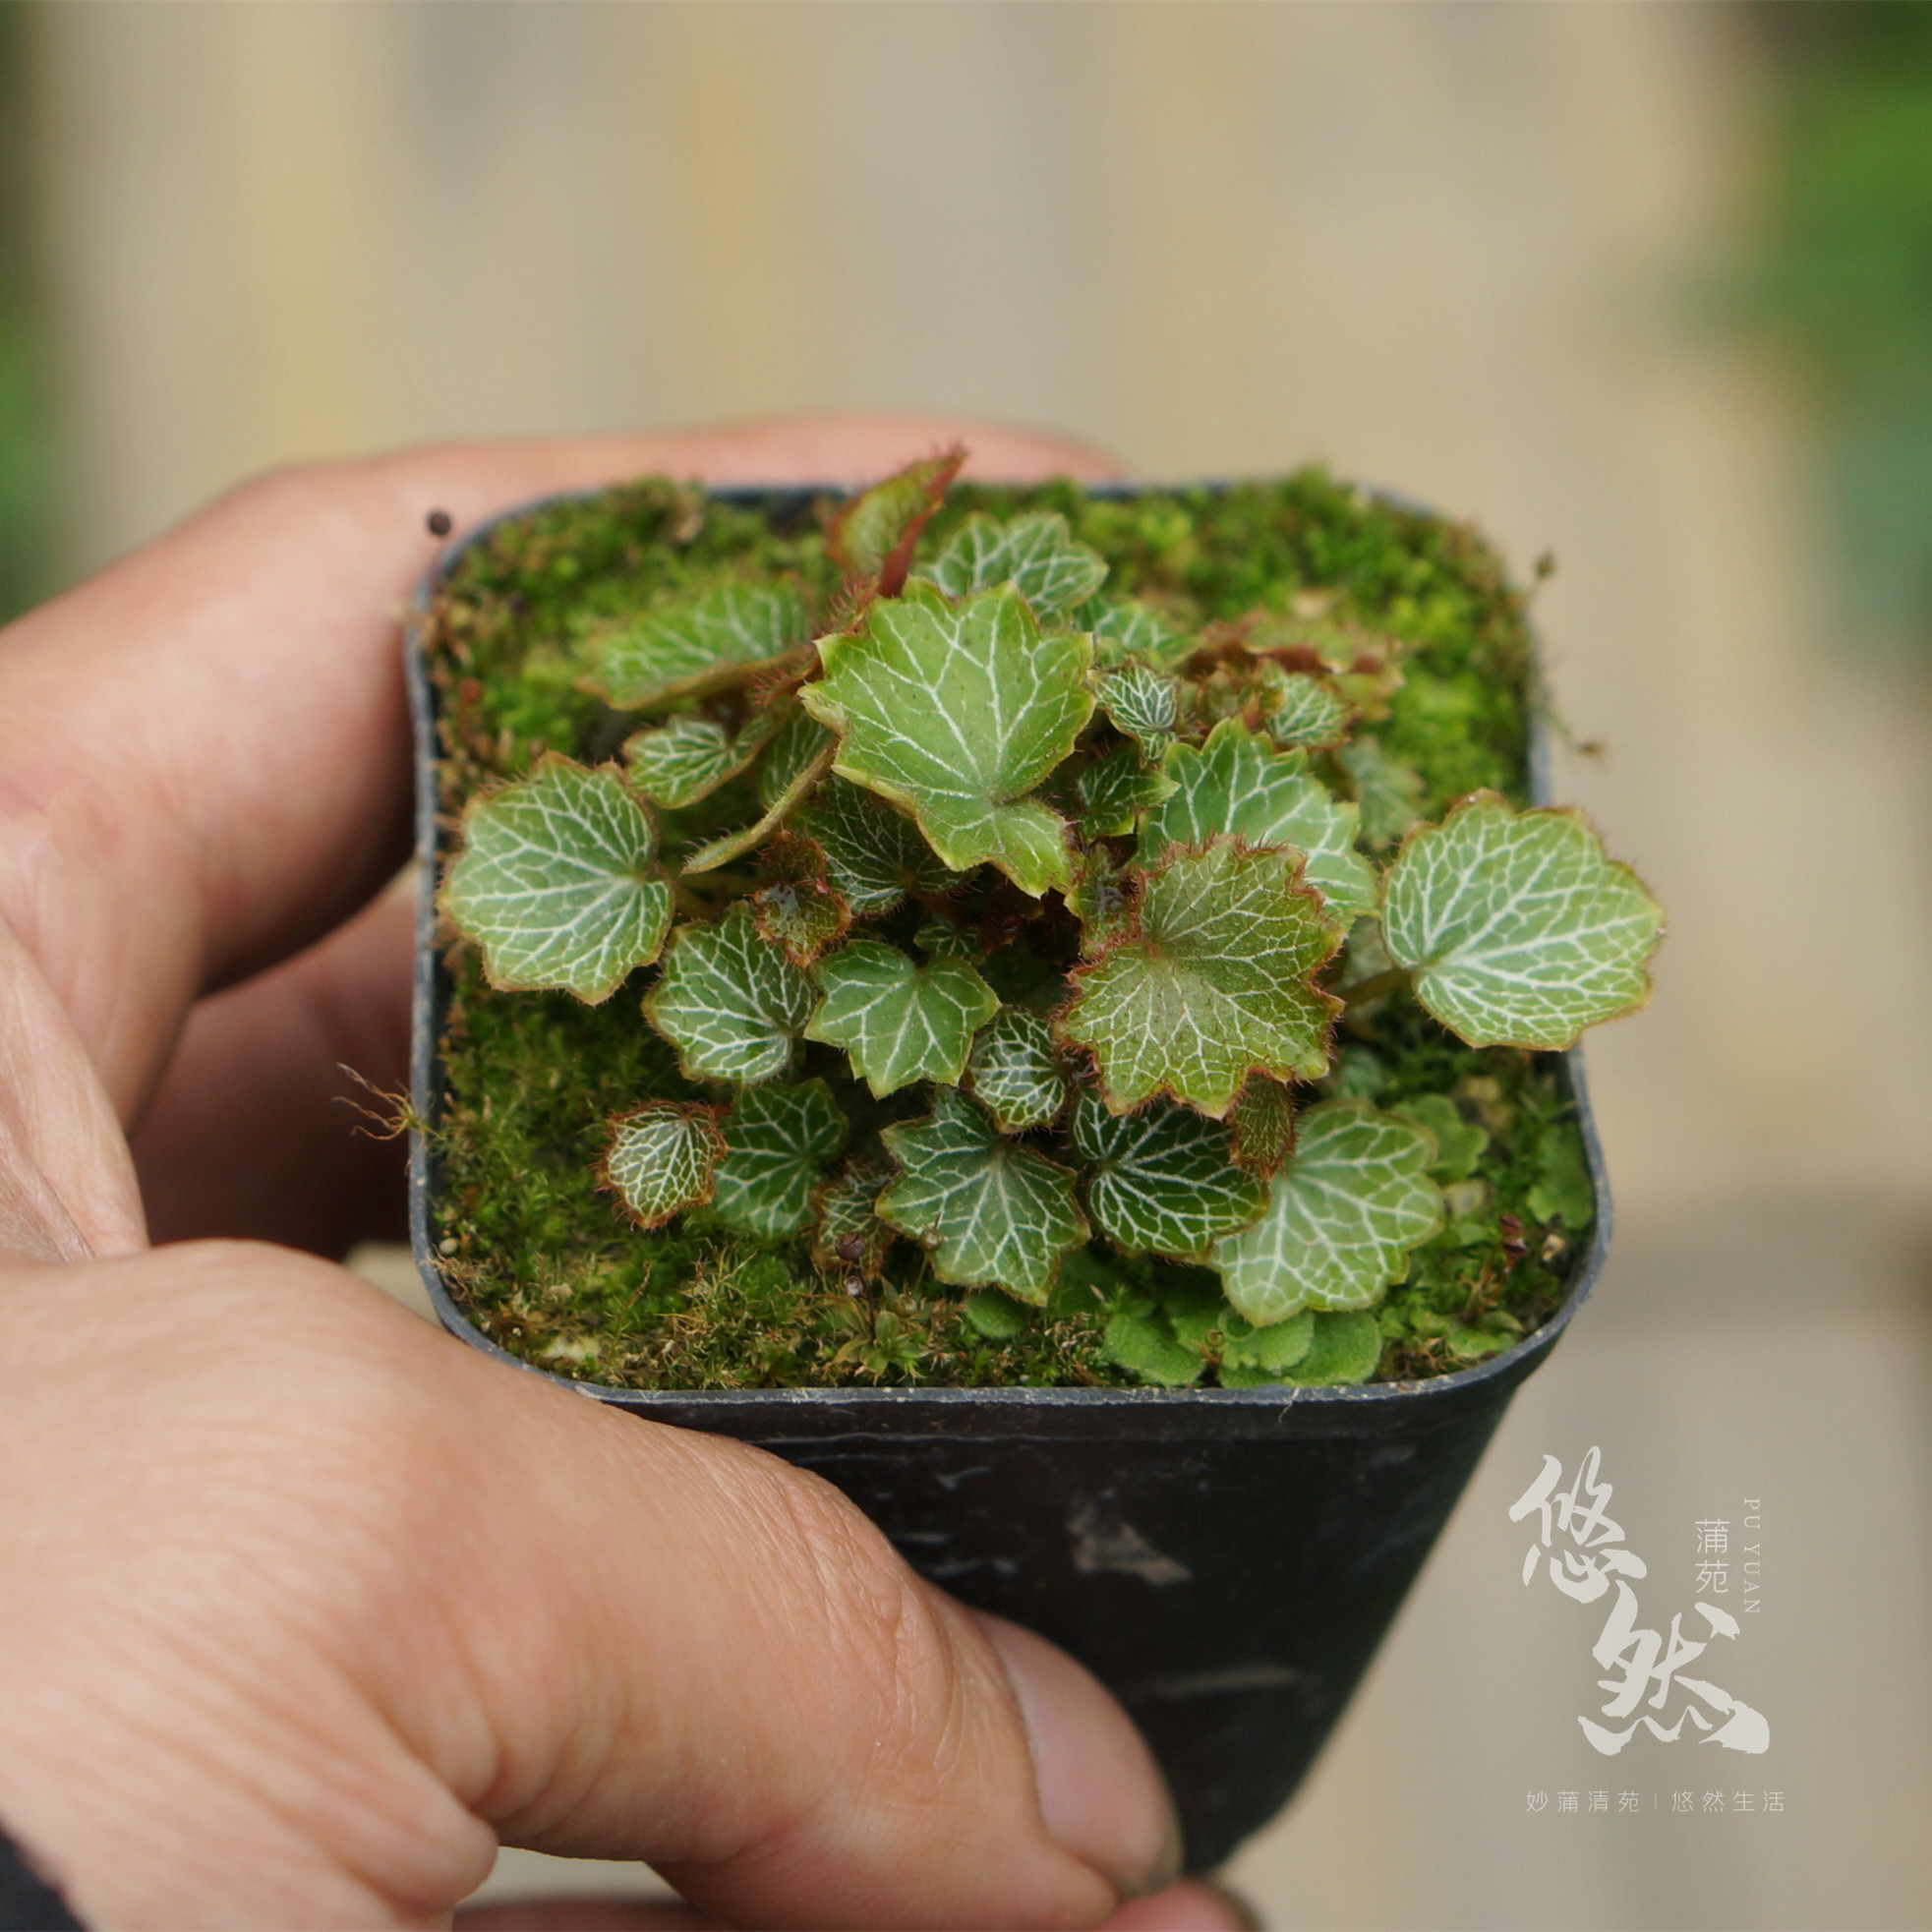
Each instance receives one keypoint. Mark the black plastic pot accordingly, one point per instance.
(1225, 1560)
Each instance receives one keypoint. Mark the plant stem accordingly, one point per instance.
(1394, 980)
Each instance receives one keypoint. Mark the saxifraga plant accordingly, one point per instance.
(1080, 897)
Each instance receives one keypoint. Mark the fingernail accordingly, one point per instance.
(1192, 1905)
(1101, 1795)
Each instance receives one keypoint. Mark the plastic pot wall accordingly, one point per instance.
(1225, 1560)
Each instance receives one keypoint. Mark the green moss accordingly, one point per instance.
(544, 1260)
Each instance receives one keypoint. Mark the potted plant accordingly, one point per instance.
(1100, 1090)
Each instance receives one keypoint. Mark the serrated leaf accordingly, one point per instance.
(1142, 1339)
(1162, 1181)
(697, 644)
(957, 712)
(1239, 784)
(1458, 1144)
(1343, 1215)
(1132, 629)
(944, 939)
(779, 1138)
(874, 854)
(1105, 898)
(1520, 928)
(1262, 1123)
(899, 1021)
(1258, 1356)
(1345, 1349)
(876, 531)
(991, 1210)
(1215, 983)
(1307, 710)
(1115, 788)
(848, 1234)
(1142, 703)
(661, 1159)
(1015, 1072)
(797, 907)
(556, 881)
(678, 763)
(729, 1001)
(1388, 793)
(1036, 555)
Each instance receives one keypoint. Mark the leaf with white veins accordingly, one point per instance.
(1520, 928)
(874, 854)
(779, 1138)
(697, 644)
(796, 907)
(661, 1159)
(729, 1001)
(1237, 783)
(1163, 1182)
(1131, 629)
(1344, 1213)
(1262, 1119)
(1307, 710)
(1115, 788)
(1015, 1072)
(1388, 791)
(991, 1210)
(900, 1021)
(1036, 555)
(876, 531)
(678, 763)
(848, 1233)
(957, 712)
(1142, 702)
(557, 884)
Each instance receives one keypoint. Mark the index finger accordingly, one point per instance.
(204, 750)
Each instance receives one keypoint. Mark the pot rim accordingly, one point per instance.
(1272, 1399)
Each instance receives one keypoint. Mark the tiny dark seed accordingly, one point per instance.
(440, 522)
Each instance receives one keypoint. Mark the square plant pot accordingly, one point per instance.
(1225, 1560)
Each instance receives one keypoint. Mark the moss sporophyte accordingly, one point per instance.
(970, 935)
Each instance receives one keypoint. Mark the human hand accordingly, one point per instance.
(301, 1604)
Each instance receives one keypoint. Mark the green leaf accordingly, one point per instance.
(1215, 983)
(1346, 1348)
(1458, 1144)
(663, 1159)
(1105, 898)
(799, 744)
(1115, 788)
(796, 907)
(779, 1138)
(874, 854)
(1520, 929)
(1238, 784)
(734, 844)
(1162, 1180)
(945, 939)
(1260, 1356)
(955, 712)
(1344, 1213)
(1015, 1074)
(899, 1021)
(991, 1210)
(995, 1317)
(697, 644)
(1563, 1190)
(1036, 555)
(1142, 703)
(678, 763)
(876, 531)
(1131, 629)
(556, 881)
(848, 1234)
(1142, 1339)
(1308, 710)
(1262, 1120)
(1389, 794)
(729, 1001)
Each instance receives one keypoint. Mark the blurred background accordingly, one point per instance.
(1648, 287)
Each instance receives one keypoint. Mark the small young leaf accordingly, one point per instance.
(779, 1138)
(1162, 1180)
(1263, 1122)
(1458, 1144)
(1343, 1215)
(1238, 784)
(661, 1159)
(556, 882)
(1564, 1190)
(1142, 1339)
(1346, 1348)
(1115, 788)
(729, 1001)
(1142, 703)
(956, 713)
(1036, 555)
(1105, 898)
(1015, 1074)
(798, 744)
(1389, 794)
(849, 1235)
(941, 939)
(1519, 927)
(991, 1210)
(994, 1316)
(898, 1022)
(1266, 1355)
(1131, 629)
(1216, 983)
(1307, 711)
(697, 644)
(796, 907)
(678, 763)
(874, 854)
(876, 531)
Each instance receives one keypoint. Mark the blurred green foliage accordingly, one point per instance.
(24, 440)
(1846, 271)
